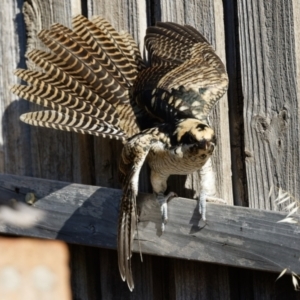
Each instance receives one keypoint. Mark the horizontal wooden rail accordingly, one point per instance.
(88, 215)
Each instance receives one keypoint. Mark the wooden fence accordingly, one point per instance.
(257, 124)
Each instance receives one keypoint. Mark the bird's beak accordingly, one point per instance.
(203, 144)
(206, 145)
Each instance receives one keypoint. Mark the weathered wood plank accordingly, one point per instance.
(37, 151)
(234, 236)
(53, 154)
(269, 64)
(208, 282)
(127, 16)
(13, 158)
(249, 284)
(207, 17)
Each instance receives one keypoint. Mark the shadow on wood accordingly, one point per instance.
(88, 215)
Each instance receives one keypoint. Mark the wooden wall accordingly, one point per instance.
(257, 124)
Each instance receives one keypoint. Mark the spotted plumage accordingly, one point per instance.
(94, 81)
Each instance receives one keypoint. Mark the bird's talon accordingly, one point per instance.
(202, 205)
(171, 195)
(163, 202)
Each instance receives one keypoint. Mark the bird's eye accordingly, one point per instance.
(201, 127)
(192, 139)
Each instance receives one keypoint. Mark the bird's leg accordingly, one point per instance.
(159, 184)
(163, 200)
(202, 205)
(208, 188)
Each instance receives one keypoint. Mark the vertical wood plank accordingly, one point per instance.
(131, 17)
(249, 284)
(85, 268)
(200, 281)
(113, 287)
(127, 16)
(271, 103)
(235, 101)
(13, 156)
(54, 154)
(40, 152)
(190, 279)
(220, 117)
(268, 44)
(202, 16)
(296, 28)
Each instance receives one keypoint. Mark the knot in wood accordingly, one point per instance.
(261, 124)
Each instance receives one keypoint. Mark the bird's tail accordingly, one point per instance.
(85, 80)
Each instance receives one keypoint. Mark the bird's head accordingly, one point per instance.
(197, 133)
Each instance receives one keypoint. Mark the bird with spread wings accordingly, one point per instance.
(94, 81)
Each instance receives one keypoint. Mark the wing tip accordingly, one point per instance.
(126, 232)
(79, 17)
(23, 118)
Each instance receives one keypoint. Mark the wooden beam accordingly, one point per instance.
(88, 215)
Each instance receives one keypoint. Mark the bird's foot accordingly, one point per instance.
(202, 203)
(163, 203)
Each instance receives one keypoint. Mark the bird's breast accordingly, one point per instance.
(180, 160)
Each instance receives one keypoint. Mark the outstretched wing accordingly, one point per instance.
(133, 157)
(87, 77)
(186, 79)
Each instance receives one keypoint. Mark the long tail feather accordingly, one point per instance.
(108, 53)
(49, 92)
(88, 77)
(124, 45)
(60, 121)
(58, 71)
(133, 53)
(66, 45)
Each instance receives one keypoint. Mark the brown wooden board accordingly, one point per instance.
(41, 276)
(87, 215)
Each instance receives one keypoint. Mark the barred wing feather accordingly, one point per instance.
(88, 73)
(197, 78)
(57, 120)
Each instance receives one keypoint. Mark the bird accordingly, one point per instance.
(94, 81)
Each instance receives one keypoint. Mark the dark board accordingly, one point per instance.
(88, 215)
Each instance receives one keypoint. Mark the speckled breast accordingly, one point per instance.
(181, 160)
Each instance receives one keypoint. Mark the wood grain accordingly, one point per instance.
(207, 17)
(264, 73)
(271, 100)
(127, 16)
(36, 151)
(13, 157)
(87, 215)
